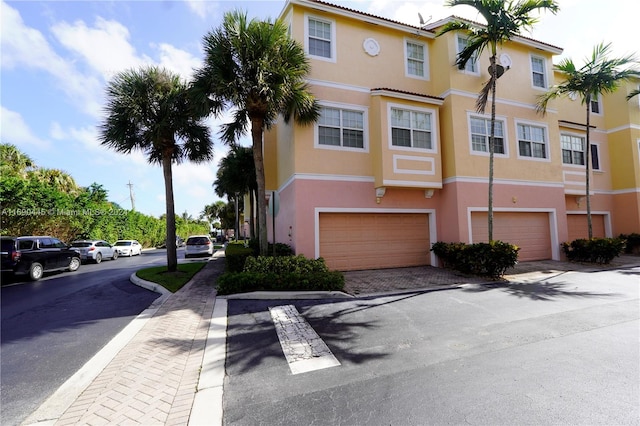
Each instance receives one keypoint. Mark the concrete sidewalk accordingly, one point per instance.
(167, 367)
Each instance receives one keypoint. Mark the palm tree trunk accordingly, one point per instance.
(257, 127)
(587, 180)
(172, 257)
(491, 145)
(252, 215)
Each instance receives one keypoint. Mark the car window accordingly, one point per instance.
(80, 244)
(123, 243)
(7, 245)
(197, 241)
(47, 243)
(25, 244)
(58, 244)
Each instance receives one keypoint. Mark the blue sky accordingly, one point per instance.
(58, 55)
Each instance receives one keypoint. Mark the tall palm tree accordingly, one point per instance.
(256, 69)
(14, 161)
(149, 109)
(505, 20)
(633, 93)
(599, 75)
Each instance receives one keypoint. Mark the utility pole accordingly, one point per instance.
(133, 200)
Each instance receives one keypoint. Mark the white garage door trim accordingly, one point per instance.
(553, 224)
(433, 234)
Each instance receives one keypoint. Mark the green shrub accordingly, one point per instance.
(243, 282)
(632, 243)
(235, 256)
(595, 250)
(281, 248)
(285, 264)
(488, 259)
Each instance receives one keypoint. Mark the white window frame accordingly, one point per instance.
(501, 119)
(473, 62)
(425, 63)
(545, 74)
(597, 101)
(562, 149)
(547, 145)
(344, 107)
(333, 40)
(595, 146)
(433, 128)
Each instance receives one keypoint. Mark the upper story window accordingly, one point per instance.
(472, 64)
(480, 129)
(595, 157)
(411, 129)
(320, 38)
(538, 73)
(416, 59)
(572, 149)
(532, 141)
(595, 104)
(338, 127)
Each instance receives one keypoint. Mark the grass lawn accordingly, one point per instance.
(172, 281)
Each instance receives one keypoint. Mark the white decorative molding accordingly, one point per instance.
(371, 46)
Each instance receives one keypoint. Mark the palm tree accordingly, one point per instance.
(13, 161)
(237, 176)
(256, 69)
(599, 75)
(505, 20)
(149, 110)
(633, 93)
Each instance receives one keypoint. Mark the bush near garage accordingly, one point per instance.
(594, 250)
(281, 273)
(235, 255)
(486, 259)
(632, 243)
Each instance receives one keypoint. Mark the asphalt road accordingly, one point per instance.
(52, 327)
(565, 351)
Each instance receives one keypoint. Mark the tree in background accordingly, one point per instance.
(599, 75)
(256, 69)
(505, 20)
(149, 110)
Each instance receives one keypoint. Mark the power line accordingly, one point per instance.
(131, 196)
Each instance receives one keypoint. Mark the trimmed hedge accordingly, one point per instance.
(235, 256)
(487, 259)
(243, 282)
(595, 250)
(285, 265)
(632, 243)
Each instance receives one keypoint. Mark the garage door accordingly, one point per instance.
(578, 227)
(529, 231)
(355, 241)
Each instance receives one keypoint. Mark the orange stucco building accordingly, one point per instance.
(398, 159)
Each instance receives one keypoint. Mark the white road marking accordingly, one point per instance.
(304, 349)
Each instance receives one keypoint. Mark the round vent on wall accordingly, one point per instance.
(505, 60)
(371, 46)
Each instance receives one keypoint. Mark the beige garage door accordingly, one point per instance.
(578, 228)
(355, 241)
(529, 231)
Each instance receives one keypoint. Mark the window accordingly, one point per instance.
(341, 128)
(480, 132)
(572, 149)
(595, 104)
(411, 129)
(595, 157)
(320, 38)
(471, 65)
(416, 59)
(538, 72)
(532, 141)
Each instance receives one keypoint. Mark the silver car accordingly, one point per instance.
(198, 245)
(95, 250)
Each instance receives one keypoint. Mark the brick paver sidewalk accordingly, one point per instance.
(153, 379)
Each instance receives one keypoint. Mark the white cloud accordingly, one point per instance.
(16, 131)
(177, 60)
(105, 47)
(203, 8)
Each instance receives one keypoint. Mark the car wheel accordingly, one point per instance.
(36, 271)
(74, 264)
(98, 258)
(115, 255)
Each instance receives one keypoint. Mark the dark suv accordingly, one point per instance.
(35, 255)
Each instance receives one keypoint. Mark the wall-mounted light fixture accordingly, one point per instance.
(428, 193)
(579, 199)
(380, 193)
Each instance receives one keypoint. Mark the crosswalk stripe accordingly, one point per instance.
(304, 350)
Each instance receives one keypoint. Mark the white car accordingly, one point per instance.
(95, 250)
(128, 247)
(198, 245)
